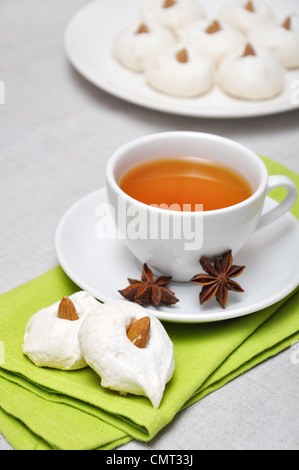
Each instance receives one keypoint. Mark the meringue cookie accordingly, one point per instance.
(186, 78)
(53, 342)
(254, 77)
(121, 365)
(223, 41)
(178, 13)
(138, 42)
(239, 15)
(283, 42)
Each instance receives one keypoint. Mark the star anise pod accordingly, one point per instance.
(217, 282)
(148, 290)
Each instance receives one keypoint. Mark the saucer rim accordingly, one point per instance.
(200, 317)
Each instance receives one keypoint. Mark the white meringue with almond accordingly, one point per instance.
(172, 13)
(52, 341)
(138, 42)
(282, 39)
(122, 365)
(255, 74)
(182, 70)
(246, 15)
(213, 37)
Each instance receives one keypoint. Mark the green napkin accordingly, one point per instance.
(49, 409)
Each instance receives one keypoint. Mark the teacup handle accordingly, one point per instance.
(278, 181)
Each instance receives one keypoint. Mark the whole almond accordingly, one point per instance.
(169, 3)
(182, 56)
(67, 310)
(250, 7)
(213, 28)
(142, 29)
(287, 23)
(249, 51)
(138, 332)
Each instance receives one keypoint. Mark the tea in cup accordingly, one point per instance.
(181, 183)
(177, 196)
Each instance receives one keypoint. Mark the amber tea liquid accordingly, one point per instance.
(180, 181)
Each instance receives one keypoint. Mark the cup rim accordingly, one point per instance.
(117, 155)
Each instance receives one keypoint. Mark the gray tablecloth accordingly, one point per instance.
(56, 133)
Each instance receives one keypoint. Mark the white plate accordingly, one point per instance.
(102, 267)
(88, 42)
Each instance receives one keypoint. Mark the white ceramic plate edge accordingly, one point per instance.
(173, 108)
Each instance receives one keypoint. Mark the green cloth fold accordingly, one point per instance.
(43, 409)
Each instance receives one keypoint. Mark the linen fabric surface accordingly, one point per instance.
(51, 409)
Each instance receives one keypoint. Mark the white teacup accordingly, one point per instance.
(171, 242)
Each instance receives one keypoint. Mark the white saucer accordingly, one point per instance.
(102, 267)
